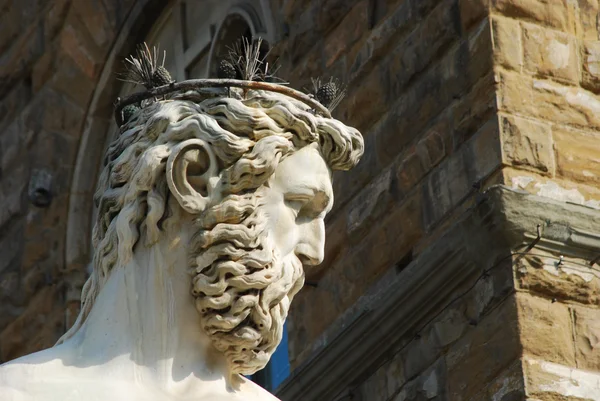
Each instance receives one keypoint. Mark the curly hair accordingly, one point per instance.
(248, 136)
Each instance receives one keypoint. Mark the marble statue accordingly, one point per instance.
(208, 208)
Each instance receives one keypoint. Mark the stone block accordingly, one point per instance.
(11, 245)
(483, 352)
(369, 205)
(347, 33)
(507, 43)
(13, 102)
(13, 193)
(346, 185)
(384, 382)
(587, 337)
(588, 17)
(545, 329)
(577, 155)
(412, 113)
(450, 327)
(552, 13)
(38, 327)
(381, 38)
(479, 54)
(429, 385)
(473, 110)
(366, 101)
(96, 23)
(71, 81)
(410, 171)
(42, 70)
(547, 52)
(508, 386)
(483, 152)
(55, 17)
(431, 38)
(590, 76)
(444, 188)
(548, 381)
(331, 12)
(452, 181)
(472, 12)
(386, 243)
(547, 100)
(55, 113)
(539, 274)
(527, 144)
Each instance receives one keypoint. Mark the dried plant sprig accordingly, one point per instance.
(245, 56)
(141, 67)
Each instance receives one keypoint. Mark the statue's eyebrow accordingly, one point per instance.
(320, 197)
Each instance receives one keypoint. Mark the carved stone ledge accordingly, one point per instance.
(392, 311)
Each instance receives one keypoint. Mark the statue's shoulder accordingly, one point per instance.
(20, 378)
(14, 380)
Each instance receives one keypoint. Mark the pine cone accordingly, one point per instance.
(226, 70)
(161, 77)
(128, 112)
(327, 93)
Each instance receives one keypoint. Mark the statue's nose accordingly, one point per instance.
(311, 245)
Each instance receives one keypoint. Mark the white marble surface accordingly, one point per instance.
(199, 246)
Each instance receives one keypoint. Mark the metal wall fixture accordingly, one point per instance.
(40, 188)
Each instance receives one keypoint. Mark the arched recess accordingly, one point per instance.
(99, 125)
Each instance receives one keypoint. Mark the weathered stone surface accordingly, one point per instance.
(347, 33)
(38, 327)
(491, 347)
(587, 337)
(508, 51)
(472, 11)
(527, 144)
(438, 30)
(590, 78)
(537, 318)
(365, 103)
(381, 38)
(473, 110)
(451, 181)
(538, 273)
(551, 381)
(548, 100)
(384, 382)
(552, 13)
(430, 385)
(507, 386)
(588, 15)
(577, 155)
(369, 205)
(547, 52)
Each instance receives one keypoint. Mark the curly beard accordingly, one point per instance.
(243, 287)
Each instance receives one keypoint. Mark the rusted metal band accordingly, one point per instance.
(217, 83)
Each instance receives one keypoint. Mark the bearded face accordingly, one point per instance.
(249, 254)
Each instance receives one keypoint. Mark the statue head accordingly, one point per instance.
(252, 176)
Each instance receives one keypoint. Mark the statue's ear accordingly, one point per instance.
(189, 168)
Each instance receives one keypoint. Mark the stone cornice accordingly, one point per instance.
(393, 309)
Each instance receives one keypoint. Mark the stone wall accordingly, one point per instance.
(546, 62)
(51, 56)
(421, 89)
